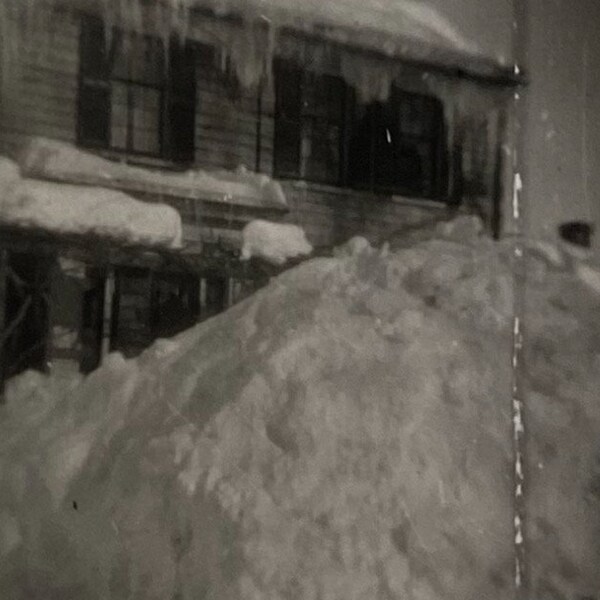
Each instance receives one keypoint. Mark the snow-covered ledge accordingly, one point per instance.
(59, 161)
(83, 210)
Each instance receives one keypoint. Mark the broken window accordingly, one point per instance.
(309, 125)
(129, 100)
(398, 146)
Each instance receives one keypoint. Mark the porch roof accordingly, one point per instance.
(62, 162)
(63, 210)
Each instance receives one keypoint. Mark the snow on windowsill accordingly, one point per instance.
(82, 210)
(60, 161)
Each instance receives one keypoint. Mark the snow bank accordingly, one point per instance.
(274, 242)
(81, 210)
(343, 434)
(61, 161)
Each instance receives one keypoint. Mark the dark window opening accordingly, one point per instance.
(92, 318)
(322, 135)
(215, 300)
(130, 330)
(148, 305)
(175, 303)
(398, 147)
(26, 320)
(309, 124)
(130, 100)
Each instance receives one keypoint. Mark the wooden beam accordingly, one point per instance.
(3, 282)
(107, 313)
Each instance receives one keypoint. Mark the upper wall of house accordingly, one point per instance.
(40, 89)
(235, 126)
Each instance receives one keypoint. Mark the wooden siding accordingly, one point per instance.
(41, 98)
(331, 216)
(43, 102)
(228, 123)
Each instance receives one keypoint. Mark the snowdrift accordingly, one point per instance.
(344, 434)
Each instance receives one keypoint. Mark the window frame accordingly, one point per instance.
(300, 117)
(436, 139)
(433, 188)
(102, 77)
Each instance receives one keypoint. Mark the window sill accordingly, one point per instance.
(138, 160)
(301, 184)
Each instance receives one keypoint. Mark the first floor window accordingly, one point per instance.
(398, 146)
(148, 305)
(26, 313)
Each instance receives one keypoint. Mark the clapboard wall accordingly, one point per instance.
(39, 95)
(42, 101)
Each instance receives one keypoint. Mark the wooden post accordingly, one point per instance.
(107, 313)
(230, 291)
(202, 297)
(519, 229)
(3, 283)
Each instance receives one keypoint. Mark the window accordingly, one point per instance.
(129, 101)
(26, 323)
(309, 124)
(148, 305)
(398, 146)
(322, 135)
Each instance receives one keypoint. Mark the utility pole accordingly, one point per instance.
(518, 228)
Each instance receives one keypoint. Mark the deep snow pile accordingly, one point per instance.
(344, 434)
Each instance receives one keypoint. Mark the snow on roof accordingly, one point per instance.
(60, 161)
(408, 19)
(406, 29)
(82, 210)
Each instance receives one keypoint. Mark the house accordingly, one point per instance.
(227, 112)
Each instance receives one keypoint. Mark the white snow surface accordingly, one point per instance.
(42, 157)
(408, 19)
(83, 210)
(343, 434)
(383, 23)
(274, 242)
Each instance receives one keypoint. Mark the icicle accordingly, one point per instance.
(250, 53)
(372, 79)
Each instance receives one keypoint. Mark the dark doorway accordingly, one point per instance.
(26, 320)
(92, 318)
(175, 303)
(215, 300)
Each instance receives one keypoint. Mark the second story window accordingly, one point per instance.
(397, 146)
(323, 135)
(309, 125)
(130, 100)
